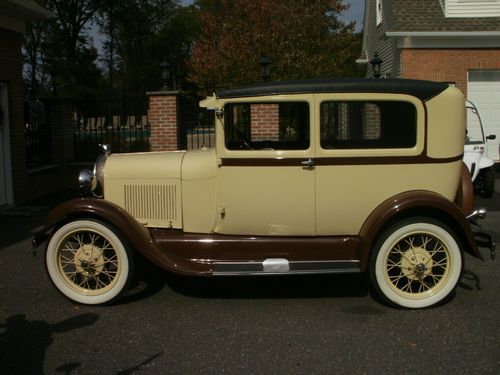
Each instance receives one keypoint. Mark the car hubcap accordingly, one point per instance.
(89, 260)
(88, 263)
(417, 265)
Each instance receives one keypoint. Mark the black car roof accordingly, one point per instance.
(423, 90)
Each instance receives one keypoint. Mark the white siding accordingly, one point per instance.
(378, 42)
(471, 8)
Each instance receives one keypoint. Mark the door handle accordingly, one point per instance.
(308, 164)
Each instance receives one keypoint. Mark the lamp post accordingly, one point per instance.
(376, 63)
(165, 74)
(264, 63)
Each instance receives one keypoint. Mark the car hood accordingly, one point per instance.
(147, 165)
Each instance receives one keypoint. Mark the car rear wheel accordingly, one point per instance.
(416, 263)
(88, 262)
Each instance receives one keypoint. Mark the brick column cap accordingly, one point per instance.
(162, 93)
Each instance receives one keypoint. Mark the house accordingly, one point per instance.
(16, 180)
(454, 41)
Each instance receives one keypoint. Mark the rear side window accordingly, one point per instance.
(267, 126)
(368, 125)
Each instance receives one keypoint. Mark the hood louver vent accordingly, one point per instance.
(154, 203)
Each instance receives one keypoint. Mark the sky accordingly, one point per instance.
(356, 13)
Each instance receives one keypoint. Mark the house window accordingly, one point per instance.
(369, 125)
(267, 126)
(378, 5)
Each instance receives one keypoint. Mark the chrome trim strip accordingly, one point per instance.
(295, 267)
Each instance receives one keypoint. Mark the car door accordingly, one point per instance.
(266, 176)
(368, 148)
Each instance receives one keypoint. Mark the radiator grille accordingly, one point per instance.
(152, 201)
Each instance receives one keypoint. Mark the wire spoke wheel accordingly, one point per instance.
(416, 264)
(88, 262)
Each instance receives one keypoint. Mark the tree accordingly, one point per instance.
(61, 49)
(33, 54)
(140, 35)
(302, 38)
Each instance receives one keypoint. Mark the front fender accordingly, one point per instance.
(415, 203)
(138, 236)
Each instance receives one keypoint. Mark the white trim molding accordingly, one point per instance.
(15, 13)
(445, 39)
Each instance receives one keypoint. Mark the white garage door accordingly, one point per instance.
(483, 90)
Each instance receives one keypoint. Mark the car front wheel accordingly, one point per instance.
(416, 263)
(88, 262)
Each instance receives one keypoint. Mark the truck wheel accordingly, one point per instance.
(416, 263)
(88, 262)
(488, 183)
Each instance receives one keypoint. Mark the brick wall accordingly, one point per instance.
(265, 119)
(33, 183)
(163, 117)
(448, 65)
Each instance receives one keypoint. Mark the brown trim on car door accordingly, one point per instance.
(345, 160)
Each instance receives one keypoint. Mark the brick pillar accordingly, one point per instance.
(265, 122)
(163, 116)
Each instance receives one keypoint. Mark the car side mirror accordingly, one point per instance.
(491, 137)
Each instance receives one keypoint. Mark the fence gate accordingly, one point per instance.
(121, 123)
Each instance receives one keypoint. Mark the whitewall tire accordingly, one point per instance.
(88, 262)
(416, 263)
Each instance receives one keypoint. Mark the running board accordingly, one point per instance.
(280, 266)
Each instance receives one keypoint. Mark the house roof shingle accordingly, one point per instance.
(427, 15)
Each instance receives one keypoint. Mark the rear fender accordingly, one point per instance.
(413, 204)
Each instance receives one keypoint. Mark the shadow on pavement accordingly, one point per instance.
(303, 286)
(23, 343)
(147, 280)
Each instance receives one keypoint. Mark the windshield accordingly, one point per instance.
(474, 128)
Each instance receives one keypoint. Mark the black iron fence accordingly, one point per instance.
(122, 124)
(196, 126)
(37, 134)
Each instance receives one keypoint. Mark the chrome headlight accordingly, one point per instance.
(94, 181)
(85, 179)
(98, 181)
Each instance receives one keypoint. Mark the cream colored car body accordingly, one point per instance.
(193, 191)
(313, 176)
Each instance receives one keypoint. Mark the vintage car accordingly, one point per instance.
(307, 177)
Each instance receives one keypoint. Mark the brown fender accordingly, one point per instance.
(413, 204)
(128, 226)
(465, 193)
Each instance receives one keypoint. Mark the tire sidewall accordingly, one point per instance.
(391, 237)
(59, 280)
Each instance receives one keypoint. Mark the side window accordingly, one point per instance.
(370, 125)
(266, 126)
